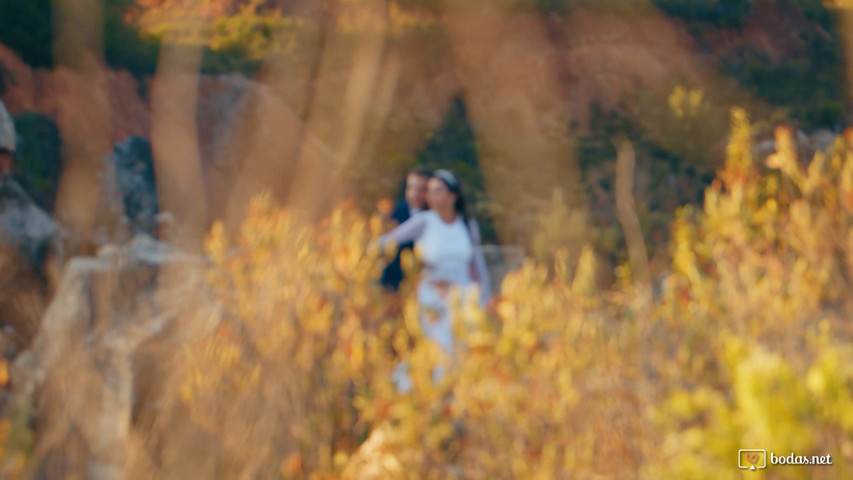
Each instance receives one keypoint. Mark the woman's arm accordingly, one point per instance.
(479, 271)
(408, 231)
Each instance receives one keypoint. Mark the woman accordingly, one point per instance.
(449, 246)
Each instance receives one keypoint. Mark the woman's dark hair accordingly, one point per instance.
(453, 186)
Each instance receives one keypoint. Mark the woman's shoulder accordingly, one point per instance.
(426, 215)
(422, 219)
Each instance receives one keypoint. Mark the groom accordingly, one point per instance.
(416, 184)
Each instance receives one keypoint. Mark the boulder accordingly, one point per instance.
(26, 236)
(134, 176)
(500, 260)
(41, 90)
(107, 312)
(822, 139)
(8, 139)
(23, 225)
(127, 201)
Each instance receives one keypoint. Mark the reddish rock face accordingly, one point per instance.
(5, 162)
(26, 89)
(18, 82)
(115, 111)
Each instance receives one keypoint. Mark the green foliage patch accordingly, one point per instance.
(810, 86)
(721, 13)
(26, 26)
(38, 159)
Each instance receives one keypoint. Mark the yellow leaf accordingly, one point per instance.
(4, 372)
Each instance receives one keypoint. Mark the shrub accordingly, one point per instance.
(303, 363)
(814, 80)
(562, 7)
(124, 45)
(677, 167)
(38, 159)
(237, 42)
(722, 13)
(746, 346)
(304, 343)
(817, 10)
(26, 26)
(754, 311)
(688, 126)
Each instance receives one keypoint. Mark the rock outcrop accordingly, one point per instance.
(501, 260)
(26, 235)
(23, 224)
(8, 140)
(82, 373)
(40, 90)
(134, 177)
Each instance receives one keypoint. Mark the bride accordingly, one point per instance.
(449, 246)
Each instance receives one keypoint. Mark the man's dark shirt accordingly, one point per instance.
(393, 273)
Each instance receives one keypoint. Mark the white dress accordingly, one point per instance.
(451, 254)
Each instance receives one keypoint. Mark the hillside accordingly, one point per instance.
(603, 70)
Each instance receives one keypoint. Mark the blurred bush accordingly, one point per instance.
(672, 170)
(26, 27)
(722, 13)
(298, 367)
(746, 345)
(817, 10)
(746, 342)
(237, 42)
(813, 86)
(38, 159)
(756, 312)
(16, 433)
(562, 7)
(301, 367)
(232, 43)
(124, 45)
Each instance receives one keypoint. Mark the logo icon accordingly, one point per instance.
(751, 458)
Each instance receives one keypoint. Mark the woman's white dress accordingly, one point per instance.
(451, 254)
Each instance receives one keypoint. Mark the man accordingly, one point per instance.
(416, 183)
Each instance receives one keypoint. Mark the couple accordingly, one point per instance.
(448, 244)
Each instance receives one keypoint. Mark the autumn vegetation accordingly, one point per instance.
(593, 362)
(744, 344)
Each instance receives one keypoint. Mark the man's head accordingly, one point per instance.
(416, 186)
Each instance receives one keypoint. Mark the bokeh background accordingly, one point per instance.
(189, 189)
